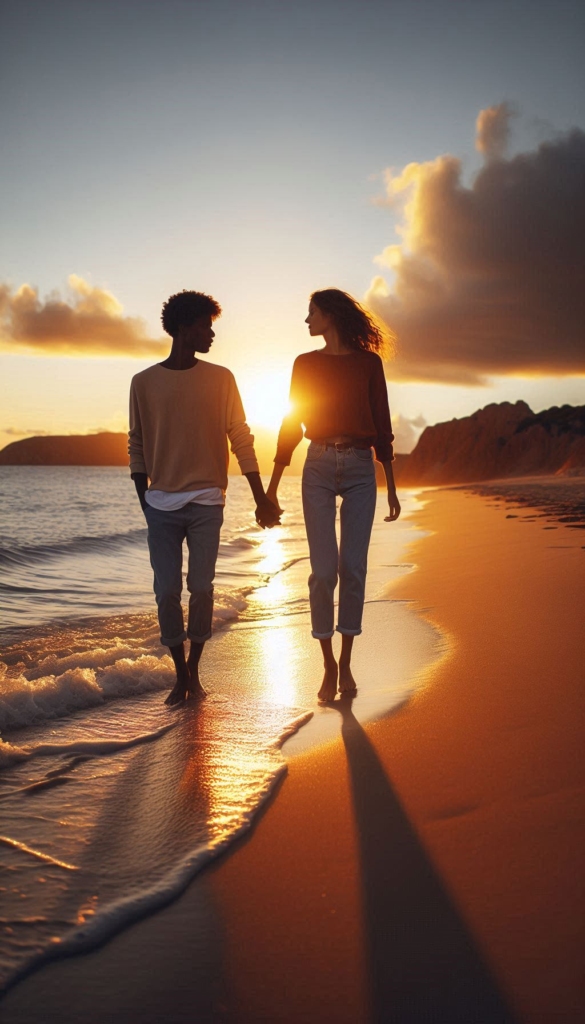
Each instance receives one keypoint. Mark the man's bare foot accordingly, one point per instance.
(178, 693)
(195, 690)
(329, 684)
(347, 683)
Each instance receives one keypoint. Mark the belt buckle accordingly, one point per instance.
(340, 446)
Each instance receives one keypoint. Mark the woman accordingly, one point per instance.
(339, 393)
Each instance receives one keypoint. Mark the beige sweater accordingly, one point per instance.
(180, 422)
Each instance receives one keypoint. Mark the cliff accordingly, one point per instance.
(504, 440)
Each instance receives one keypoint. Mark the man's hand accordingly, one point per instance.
(267, 514)
(394, 506)
(141, 485)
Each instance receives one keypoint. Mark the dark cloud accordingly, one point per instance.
(489, 278)
(89, 322)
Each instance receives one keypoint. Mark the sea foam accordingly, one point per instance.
(100, 831)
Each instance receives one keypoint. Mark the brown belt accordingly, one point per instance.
(343, 446)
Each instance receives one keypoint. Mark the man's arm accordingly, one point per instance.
(135, 449)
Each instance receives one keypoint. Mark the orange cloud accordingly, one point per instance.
(89, 322)
(488, 278)
(493, 130)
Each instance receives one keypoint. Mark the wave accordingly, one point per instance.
(115, 660)
(26, 702)
(245, 543)
(11, 753)
(104, 543)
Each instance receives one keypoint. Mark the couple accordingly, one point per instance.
(182, 412)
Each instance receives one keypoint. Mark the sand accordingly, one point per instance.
(424, 867)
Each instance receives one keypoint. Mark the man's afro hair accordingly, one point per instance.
(184, 308)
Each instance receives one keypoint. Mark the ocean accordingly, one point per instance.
(110, 801)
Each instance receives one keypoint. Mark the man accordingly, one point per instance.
(182, 412)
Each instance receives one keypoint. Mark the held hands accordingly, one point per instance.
(267, 513)
(394, 506)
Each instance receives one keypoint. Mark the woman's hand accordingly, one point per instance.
(394, 506)
(272, 496)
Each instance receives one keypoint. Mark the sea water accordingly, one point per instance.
(109, 801)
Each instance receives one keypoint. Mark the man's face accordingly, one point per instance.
(197, 337)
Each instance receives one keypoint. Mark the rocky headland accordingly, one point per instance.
(501, 440)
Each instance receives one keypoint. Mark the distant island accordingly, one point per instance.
(105, 449)
(501, 440)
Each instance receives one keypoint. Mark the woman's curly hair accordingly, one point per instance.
(357, 327)
(184, 308)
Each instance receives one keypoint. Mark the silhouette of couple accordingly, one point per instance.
(182, 413)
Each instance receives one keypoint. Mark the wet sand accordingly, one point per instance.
(423, 867)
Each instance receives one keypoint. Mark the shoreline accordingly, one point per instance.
(479, 780)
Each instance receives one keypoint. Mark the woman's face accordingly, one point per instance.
(318, 322)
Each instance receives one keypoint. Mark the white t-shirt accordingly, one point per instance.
(168, 501)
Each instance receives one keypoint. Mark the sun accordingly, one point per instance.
(265, 397)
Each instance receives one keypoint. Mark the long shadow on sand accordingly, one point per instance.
(424, 965)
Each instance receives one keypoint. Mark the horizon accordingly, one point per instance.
(264, 445)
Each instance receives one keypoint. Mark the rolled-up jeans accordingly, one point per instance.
(327, 474)
(200, 525)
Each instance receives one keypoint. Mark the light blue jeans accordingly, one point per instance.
(350, 474)
(200, 525)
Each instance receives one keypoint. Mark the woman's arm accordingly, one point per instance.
(385, 437)
(291, 432)
(271, 491)
(393, 503)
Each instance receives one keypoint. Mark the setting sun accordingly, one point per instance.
(265, 397)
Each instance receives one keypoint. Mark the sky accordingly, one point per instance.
(427, 157)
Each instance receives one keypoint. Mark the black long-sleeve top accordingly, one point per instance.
(337, 396)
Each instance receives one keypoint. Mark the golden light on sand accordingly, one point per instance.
(265, 397)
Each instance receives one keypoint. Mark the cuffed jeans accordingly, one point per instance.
(200, 525)
(328, 473)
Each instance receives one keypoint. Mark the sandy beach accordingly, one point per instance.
(423, 867)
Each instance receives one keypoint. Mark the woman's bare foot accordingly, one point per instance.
(347, 683)
(329, 684)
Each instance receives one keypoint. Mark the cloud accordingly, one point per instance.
(488, 278)
(89, 321)
(407, 432)
(493, 131)
(16, 432)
